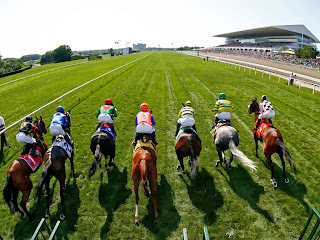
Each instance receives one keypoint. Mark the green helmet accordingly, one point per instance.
(222, 96)
(188, 103)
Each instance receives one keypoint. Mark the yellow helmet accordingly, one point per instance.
(188, 103)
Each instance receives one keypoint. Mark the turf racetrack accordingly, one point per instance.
(234, 202)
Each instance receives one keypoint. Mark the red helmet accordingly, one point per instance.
(108, 101)
(144, 107)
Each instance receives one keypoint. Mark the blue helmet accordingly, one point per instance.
(60, 109)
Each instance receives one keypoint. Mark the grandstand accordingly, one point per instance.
(268, 39)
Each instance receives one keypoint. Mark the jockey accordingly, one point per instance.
(2, 124)
(186, 119)
(27, 128)
(266, 111)
(106, 113)
(223, 109)
(60, 125)
(144, 124)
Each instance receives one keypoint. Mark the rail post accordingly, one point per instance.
(313, 212)
(262, 73)
(79, 94)
(314, 87)
(255, 71)
(279, 79)
(185, 234)
(244, 69)
(269, 76)
(249, 70)
(205, 234)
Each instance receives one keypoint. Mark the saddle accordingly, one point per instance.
(264, 124)
(146, 141)
(33, 162)
(186, 129)
(61, 142)
(105, 127)
(220, 124)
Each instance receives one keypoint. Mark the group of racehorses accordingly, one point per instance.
(188, 144)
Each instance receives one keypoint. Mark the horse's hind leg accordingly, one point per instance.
(15, 201)
(181, 163)
(62, 180)
(274, 182)
(153, 186)
(280, 153)
(136, 191)
(47, 184)
(256, 142)
(25, 197)
(230, 160)
(221, 157)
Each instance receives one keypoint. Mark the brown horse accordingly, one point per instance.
(188, 144)
(18, 176)
(143, 169)
(4, 142)
(272, 143)
(54, 165)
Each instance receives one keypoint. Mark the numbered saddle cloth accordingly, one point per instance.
(61, 142)
(33, 162)
(149, 144)
(184, 129)
(264, 123)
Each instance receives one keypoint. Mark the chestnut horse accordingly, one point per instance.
(54, 165)
(143, 169)
(18, 176)
(187, 144)
(272, 143)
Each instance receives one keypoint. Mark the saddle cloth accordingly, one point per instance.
(149, 144)
(33, 162)
(264, 123)
(219, 124)
(183, 129)
(105, 128)
(61, 142)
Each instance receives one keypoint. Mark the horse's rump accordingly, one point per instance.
(223, 136)
(187, 141)
(105, 140)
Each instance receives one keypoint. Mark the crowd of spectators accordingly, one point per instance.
(310, 63)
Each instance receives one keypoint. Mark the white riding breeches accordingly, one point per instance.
(268, 114)
(223, 115)
(56, 129)
(186, 122)
(24, 139)
(105, 117)
(145, 128)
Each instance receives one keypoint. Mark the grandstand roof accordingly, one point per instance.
(276, 31)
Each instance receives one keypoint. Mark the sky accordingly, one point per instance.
(38, 26)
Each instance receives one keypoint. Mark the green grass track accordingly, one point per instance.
(234, 202)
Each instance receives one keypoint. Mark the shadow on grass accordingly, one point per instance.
(294, 189)
(243, 185)
(204, 196)
(168, 215)
(112, 195)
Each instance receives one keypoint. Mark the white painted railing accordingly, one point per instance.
(62, 96)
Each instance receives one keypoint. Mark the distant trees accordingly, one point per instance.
(10, 66)
(283, 48)
(60, 54)
(94, 57)
(306, 52)
(187, 48)
(30, 57)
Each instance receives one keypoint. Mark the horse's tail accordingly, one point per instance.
(8, 192)
(242, 158)
(43, 177)
(144, 176)
(286, 153)
(96, 160)
(195, 163)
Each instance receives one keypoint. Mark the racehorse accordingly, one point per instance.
(102, 143)
(18, 176)
(143, 169)
(4, 141)
(54, 165)
(272, 143)
(226, 137)
(188, 144)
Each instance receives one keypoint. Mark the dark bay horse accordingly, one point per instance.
(226, 137)
(272, 143)
(102, 143)
(188, 144)
(54, 165)
(143, 169)
(18, 176)
(4, 142)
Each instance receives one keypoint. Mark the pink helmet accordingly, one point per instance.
(144, 107)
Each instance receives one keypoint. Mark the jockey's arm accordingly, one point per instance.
(136, 122)
(216, 107)
(153, 122)
(114, 112)
(98, 113)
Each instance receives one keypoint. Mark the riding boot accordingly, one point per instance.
(194, 127)
(114, 132)
(68, 140)
(34, 152)
(26, 149)
(134, 143)
(153, 138)
(178, 128)
(270, 121)
(258, 124)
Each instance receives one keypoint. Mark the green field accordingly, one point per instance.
(234, 202)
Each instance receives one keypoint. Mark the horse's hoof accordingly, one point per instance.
(178, 167)
(184, 172)
(47, 215)
(286, 180)
(217, 163)
(76, 175)
(156, 222)
(62, 216)
(274, 183)
(229, 166)
(137, 223)
(189, 163)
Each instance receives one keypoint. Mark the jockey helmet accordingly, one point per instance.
(60, 109)
(264, 97)
(222, 96)
(188, 103)
(28, 119)
(108, 101)
(144, 107)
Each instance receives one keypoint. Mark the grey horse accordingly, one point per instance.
(226, 137)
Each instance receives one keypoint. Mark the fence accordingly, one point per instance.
(77, 88)
(314, 82)
(205, 235)
(316, 225)
(43, 224)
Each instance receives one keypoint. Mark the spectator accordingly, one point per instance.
(291, 79)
